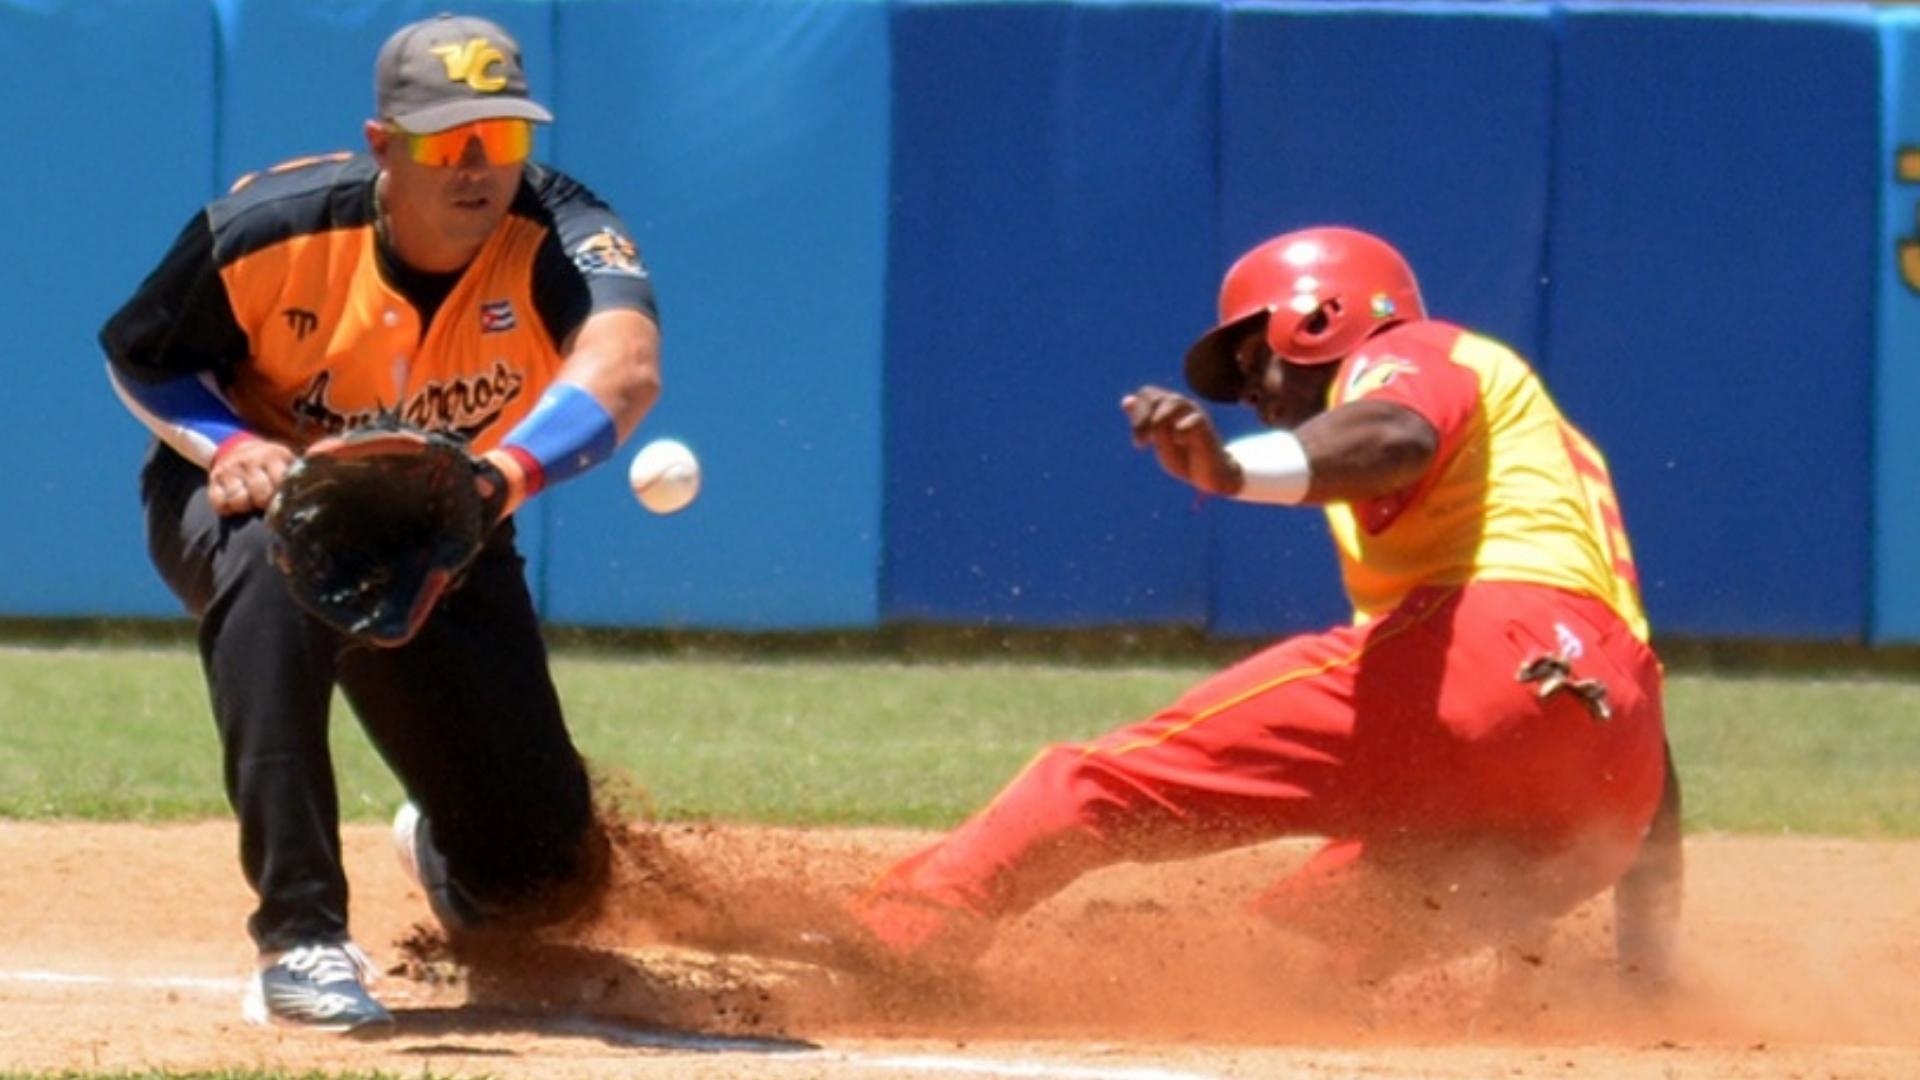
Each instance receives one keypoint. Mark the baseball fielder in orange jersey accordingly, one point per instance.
(445, 277)
(1483, 747)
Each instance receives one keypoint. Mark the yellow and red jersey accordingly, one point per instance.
(1515, 493)
(283, 293)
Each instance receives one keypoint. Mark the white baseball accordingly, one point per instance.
(665, 476)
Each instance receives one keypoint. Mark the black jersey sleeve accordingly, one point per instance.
(179, 320)
(588, 262)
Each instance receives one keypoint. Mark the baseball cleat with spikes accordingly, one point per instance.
(320, 987)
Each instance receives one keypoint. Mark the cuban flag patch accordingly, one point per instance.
(496, 316)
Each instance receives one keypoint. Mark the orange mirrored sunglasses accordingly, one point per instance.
(505, 142)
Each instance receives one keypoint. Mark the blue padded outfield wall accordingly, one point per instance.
(746, 143)
(1052, 248)
(1713, 244)
(911, 253)
(105, 170)
(1426, 124)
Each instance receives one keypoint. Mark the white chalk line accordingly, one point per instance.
(655, 1039)
(147, 982)
(1036, 1070)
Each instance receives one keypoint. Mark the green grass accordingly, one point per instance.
(1823, 755)
(125, 734)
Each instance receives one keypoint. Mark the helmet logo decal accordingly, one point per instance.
(1383, 306)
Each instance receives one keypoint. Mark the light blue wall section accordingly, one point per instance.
(911, 252)
(110, 136)
(746, 144)
(1896, 534)
(1052, 248)
(1428, 124)
(1714, 243)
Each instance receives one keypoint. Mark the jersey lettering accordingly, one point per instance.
(463, 406)
(1603, 508)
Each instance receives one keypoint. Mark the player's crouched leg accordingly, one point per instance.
(1070, 811)
(1376, 909)
(565, 886)
(902, 929)
(468, 717)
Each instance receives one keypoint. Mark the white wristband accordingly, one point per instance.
(1275, 466)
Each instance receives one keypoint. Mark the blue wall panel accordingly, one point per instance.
(1429, 125)
(111, 135)
(1712, 193)
(1714, 243)
(745, 143)
(1896, 552)
(1052, 248)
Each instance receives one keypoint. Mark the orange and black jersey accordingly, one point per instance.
(284, 294)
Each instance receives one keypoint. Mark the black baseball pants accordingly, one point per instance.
(465, 714)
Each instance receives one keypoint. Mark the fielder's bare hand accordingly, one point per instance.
(1183, 439)
(244, 478)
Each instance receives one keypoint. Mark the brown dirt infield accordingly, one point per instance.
(121, 948)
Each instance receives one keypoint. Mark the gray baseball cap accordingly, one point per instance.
(450, 70)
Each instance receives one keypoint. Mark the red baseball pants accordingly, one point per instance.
(1412, 742)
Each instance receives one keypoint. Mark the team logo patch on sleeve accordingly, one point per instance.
(496, 316)
(607, 252)
(1372, 373)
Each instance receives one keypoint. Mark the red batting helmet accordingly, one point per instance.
(1319, 292)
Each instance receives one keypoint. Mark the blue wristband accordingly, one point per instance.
(183, 411)
(567, 433)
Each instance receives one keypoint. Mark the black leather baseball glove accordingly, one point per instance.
(373, 526)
